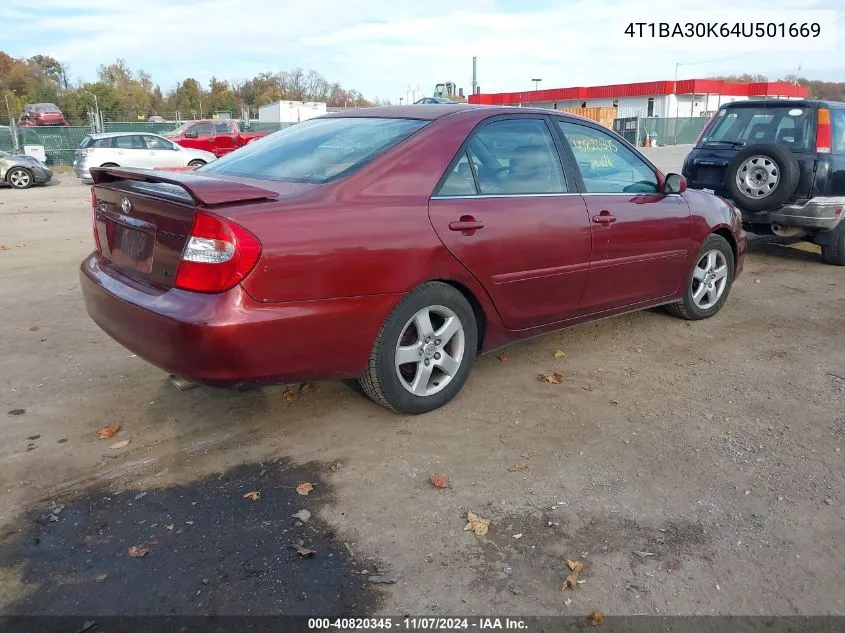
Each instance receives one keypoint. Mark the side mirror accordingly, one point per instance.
(191, 134)
(675, 183)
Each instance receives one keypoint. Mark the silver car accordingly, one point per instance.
(21, 171)
(134, 149)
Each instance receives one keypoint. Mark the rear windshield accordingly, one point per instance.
(46, 107)
(316, 151)
(786, 125)
(837, 120)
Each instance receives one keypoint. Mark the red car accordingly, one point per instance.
(395, 244)
(218, 136)
(41, 114)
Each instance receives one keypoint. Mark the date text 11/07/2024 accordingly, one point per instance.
(417, 624)
(723, 29)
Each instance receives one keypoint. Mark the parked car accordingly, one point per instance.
(134, 149)
(782, 163)
(393, 245)
(430, 100)
(156, 119)
(218, 136)
(42, 114)
(21, 172)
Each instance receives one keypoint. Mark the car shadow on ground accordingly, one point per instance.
(202, 549)
(788, 248)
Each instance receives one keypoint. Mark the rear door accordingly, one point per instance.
(641, 237)
(509, 213)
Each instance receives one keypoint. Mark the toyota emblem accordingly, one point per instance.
(126, 206)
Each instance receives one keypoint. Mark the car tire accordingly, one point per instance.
(833, 251)
(196, 163)
(762, 177)
(428, 380)
(20, 178)
(716, 256)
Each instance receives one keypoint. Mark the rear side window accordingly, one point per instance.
(785, 125)
(90, 141)
(222, 127)
(316, 151)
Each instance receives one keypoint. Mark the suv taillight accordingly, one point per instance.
(704, 129)
(94, 222)
(218, 255)
(823, 136)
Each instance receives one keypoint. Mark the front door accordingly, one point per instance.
(131, 151)
(225, 140)
(641, 237)
(510, 215)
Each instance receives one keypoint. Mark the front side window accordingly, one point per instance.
(316, 151)
(129, 142)
(155, 142)
(606, 165)
(516, 157)
(202, 129)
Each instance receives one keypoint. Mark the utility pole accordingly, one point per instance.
(536, 87)
(474, 74)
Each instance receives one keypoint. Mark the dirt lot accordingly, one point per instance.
(695, 468)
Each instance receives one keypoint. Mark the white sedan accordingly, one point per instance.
(134, 149)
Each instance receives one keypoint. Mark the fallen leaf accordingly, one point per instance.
(473, 483)
(571, 581)
(3, 247)
(305, 552)
(253, 496)
(477, 524)
(596, 618)
(289, 395)
(518, 467)
(304, 488)
(100, 578)
(503, 359)
(138, 552)
(643, 554)
(575, 566)
(439, 481)
(195, 503)
(518, 536)
(34, 328)
(560, 354)
(108, 431)
(307, 386)
(554, 378)
(120, 444)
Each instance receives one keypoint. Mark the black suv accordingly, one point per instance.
(782, 163)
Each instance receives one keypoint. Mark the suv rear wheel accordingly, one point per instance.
(833, 251)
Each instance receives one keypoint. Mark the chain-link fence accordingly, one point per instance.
(669, 131)
(60, 142)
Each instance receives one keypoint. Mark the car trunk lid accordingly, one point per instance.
(143, 220)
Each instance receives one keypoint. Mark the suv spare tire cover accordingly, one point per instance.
(775, 164)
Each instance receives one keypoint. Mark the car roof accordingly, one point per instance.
(795, 103)
(113, 134)
(433, 111)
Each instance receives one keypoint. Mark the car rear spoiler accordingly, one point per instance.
(204, 190)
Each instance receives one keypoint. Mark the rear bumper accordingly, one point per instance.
(818, 213)
(41, 176)
(230, 339)
(81, 171)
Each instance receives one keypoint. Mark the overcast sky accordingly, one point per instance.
(382, 47)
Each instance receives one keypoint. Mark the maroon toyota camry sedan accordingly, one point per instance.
(394, 245)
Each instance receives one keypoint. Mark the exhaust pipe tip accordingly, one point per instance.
(182, 384)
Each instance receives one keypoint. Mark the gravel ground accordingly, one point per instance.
(694, 468)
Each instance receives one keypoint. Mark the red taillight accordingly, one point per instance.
(823, 131)
(704, 129)
(94, 222)
(218, 255)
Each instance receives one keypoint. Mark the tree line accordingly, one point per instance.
(827, 90)
(126, 94)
